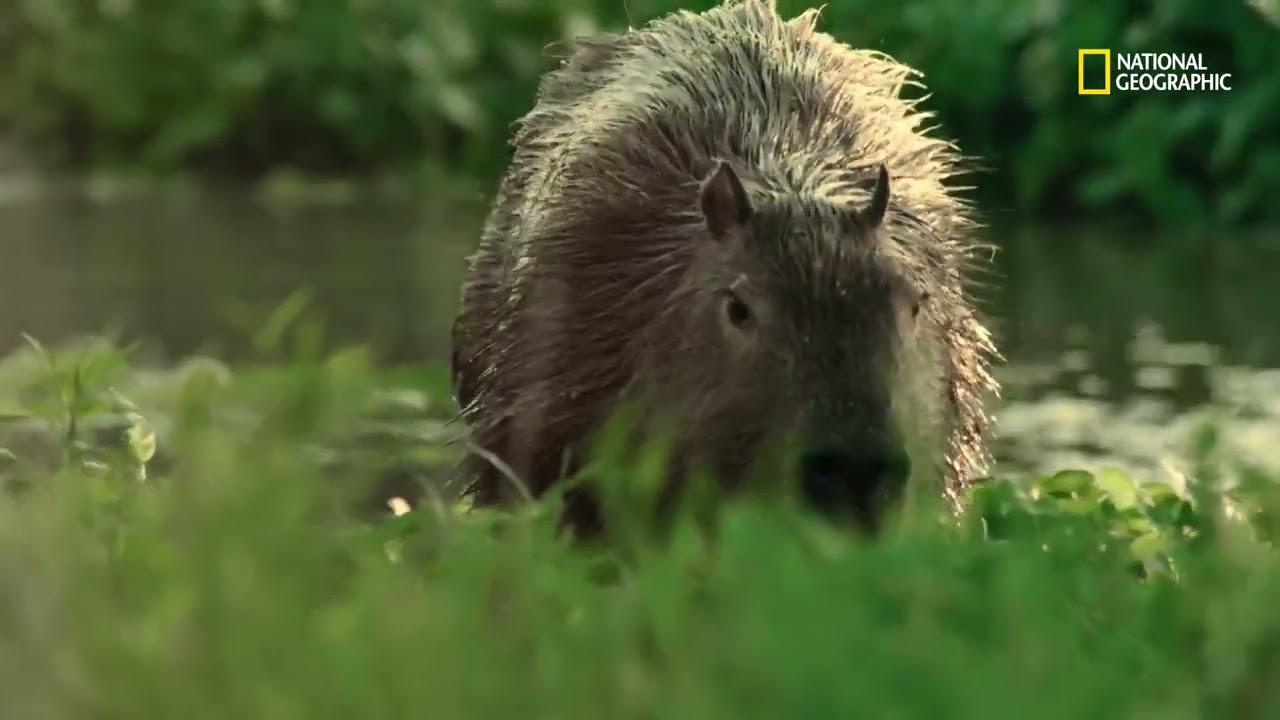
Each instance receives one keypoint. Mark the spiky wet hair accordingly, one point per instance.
(594, 221)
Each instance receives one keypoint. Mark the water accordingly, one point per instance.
(1120, 345)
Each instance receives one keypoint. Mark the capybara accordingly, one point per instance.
(734, 223)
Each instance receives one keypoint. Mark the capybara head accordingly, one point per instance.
(793, 324)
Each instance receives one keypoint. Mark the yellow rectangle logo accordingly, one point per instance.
(1106, 77)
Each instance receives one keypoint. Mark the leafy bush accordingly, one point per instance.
(351, 85)
(232, 584)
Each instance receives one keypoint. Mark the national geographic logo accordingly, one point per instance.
(1148, 71)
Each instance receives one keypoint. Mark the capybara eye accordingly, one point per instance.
(736, 311)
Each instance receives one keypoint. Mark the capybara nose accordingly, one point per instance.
(837, 482)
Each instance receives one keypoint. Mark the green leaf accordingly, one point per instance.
(1076, 505)
(1157, 493)
(39, 348)
(1150, 545)
(270, 339)
(1117, 487)
(141, 438)
(1066, 483)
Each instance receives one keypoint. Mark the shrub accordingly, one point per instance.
(364, 85)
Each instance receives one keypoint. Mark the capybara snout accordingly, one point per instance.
(857, 481)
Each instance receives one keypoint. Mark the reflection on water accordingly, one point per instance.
(193, 274)
(1118, 349)
(1062, 416)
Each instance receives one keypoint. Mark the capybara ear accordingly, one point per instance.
(724, 201)
(873, 215)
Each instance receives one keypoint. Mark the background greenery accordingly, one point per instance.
(368, 86)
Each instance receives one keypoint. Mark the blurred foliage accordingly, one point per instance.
(370, 85)
(236, 572)
(1270, 9)
(86, 408)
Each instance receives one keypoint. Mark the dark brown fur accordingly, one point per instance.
(596, 280)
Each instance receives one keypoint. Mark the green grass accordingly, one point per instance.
(234, 582)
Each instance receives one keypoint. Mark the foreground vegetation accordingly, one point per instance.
(230, 579)
(245, 86)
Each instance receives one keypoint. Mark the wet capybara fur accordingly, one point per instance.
(734, 223)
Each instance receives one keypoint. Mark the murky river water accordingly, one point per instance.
(1120, 345)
